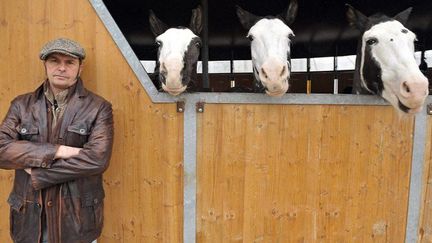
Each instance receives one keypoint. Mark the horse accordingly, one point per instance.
(270, 39)
(178, 52)
(385, 63)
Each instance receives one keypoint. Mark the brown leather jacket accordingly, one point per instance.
(75, 213)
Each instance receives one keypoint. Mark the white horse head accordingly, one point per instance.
(178, 53)
(386, 62)
(270, 48)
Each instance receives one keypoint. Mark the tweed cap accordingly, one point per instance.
(63, 46)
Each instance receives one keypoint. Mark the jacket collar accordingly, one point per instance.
(77, 92)
(77, 89)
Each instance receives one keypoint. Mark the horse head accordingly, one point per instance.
(270, 39)
(385, 60)
(178, 52)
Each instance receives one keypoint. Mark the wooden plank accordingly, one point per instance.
(144, 181)
(425, 234)
(292, 173)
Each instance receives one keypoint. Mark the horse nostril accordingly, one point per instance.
(406, 87)
(283, 71)
(264, 73)
(163, 67)
(162, 78)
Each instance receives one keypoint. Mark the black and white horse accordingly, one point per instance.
(178, 52)
(385, 62)
(270, 48)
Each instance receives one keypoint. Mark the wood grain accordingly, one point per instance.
(144, 181)
(425, 234)
(293, 173)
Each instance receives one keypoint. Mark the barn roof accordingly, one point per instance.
(321, 27)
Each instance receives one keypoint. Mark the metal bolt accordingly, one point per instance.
(200, 107)
(180, 106)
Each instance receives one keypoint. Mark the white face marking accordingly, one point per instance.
(270, 47)
(392, 47)
(174, 43)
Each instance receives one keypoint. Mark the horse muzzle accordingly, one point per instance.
(412, 94)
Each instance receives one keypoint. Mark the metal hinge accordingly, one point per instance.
(429, 109)
(180, 106)
(200, 107)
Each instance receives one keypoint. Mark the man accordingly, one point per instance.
(58, 139)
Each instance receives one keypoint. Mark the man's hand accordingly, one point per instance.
(66, 152)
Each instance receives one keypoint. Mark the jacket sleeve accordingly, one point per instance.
(21, 154)
(93, 159)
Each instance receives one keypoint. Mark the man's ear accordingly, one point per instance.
(81, 67)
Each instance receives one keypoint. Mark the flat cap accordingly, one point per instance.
(63, 46)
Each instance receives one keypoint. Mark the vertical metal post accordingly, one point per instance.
(232, 79)
(335, 69)
(204, 49)
(190, 183)
(414, 203)
(308, 82)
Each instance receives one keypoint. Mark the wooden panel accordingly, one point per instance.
(292, 173)
(144, 181)
(426, 213)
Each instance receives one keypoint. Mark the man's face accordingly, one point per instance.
(62, 71)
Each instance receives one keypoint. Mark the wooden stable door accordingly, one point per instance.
(302, 173)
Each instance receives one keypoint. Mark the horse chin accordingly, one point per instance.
(277, 93)
(174, 92)
(415, 110)
(409, 110)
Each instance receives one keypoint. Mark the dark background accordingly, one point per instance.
(320, 26)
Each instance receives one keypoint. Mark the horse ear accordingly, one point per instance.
(246, 19)
(403, 16)
(157, 27)
(291, 12)
(196, 20)
(356, 18)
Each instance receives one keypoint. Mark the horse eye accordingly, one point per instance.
(290, 36)
(404, 31)
(159, 43)
(372, 41)
(250, 37)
